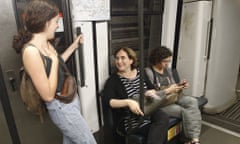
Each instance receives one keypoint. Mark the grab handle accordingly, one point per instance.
(81, 60)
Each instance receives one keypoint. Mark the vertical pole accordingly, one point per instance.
(177, 33)
(141, 45)
(161, 20)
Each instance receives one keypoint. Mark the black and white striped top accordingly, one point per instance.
(132, 86)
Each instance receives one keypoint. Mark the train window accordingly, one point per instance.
(124, 25)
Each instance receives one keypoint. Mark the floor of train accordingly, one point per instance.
(212, 134)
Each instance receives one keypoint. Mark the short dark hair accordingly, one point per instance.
(158, 54)
(131, 55)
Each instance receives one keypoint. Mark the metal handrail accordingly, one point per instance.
(141, 44)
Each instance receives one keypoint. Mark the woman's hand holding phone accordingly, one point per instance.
(184, 84)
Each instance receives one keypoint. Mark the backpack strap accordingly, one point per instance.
(154, 76)
(61, 62)
(22, 69)
(42, 56)
(156, 81)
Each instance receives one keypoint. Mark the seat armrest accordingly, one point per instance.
(201, 101)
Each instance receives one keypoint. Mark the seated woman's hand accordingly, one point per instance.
(184, 84)
(151, 94)
(173, 88)
(134, 107)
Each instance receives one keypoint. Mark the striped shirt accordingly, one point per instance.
(132, 86)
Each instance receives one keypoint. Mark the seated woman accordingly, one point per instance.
(186, 107)
(117, 94)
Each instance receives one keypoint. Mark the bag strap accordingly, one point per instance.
(30, 44)
(154, 76)
(63, 65)
(41, 55)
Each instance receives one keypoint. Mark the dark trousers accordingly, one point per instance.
(156, 132)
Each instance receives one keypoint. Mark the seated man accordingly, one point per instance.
(186, 107)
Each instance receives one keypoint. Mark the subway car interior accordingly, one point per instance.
(203, 35)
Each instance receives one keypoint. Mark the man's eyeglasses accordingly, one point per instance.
(166, 61)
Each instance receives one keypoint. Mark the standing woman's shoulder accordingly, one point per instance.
(29, 50)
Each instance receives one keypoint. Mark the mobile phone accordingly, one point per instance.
(182, 83)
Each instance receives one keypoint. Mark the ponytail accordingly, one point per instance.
(20, 39)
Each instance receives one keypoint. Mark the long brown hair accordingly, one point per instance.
(37, 14)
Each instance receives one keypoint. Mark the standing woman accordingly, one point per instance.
(118, 92)
(186, 107)
(41, 62)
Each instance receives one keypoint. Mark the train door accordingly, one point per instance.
(92, 58)
(205, 51)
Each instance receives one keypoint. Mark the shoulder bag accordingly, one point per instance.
(69, 88)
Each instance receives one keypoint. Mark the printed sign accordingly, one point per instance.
(60, 23)
(90, 10)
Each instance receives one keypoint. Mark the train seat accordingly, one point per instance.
(173, 131)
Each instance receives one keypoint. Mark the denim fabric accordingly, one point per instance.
(187, 109)
(69, 120)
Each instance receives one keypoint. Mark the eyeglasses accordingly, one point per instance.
(166, 61)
